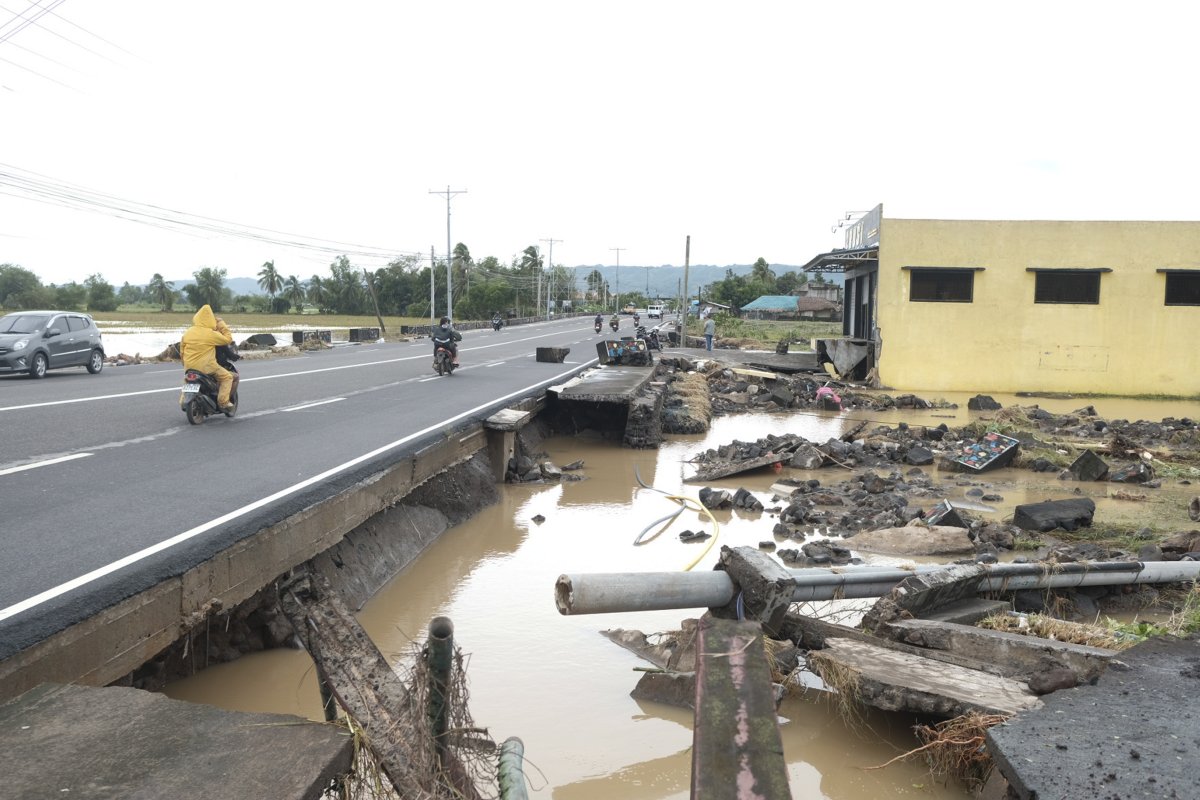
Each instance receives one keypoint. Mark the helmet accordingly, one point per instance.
(445, 321)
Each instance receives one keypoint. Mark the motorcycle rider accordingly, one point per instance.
(198, 349)
(496, 321)
(614, 322)
(599, 321)
(445, 336)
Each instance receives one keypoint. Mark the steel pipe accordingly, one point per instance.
(511, 770)
(602, 593)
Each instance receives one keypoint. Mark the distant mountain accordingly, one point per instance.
(667, 281)
(236, 285)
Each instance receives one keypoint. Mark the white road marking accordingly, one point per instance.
(313, 405)
(191, 533)
(45, 463)
(258, 378)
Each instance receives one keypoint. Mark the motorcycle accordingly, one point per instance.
(651, 338)
(198, 398)
(497, 323)
(443, 360)
(598, 325)
(613, 323)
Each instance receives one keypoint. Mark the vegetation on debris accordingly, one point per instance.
(956, 747)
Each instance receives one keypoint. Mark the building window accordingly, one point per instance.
(1183, 289)
(941, 285)
(1067, 286)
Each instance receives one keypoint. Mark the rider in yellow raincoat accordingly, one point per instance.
(199, 350)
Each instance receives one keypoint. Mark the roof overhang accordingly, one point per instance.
(842, 260)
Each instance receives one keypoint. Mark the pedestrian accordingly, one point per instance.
(710, 329)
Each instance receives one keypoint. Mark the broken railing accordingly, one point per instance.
(603, 593)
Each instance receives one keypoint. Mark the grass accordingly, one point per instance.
(1047, 627)
(1184, 619)
(768, 332)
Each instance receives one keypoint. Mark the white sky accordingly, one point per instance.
(750, 126)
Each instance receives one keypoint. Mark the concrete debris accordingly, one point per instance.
(1069, 515)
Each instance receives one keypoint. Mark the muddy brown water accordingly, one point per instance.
(563, 688)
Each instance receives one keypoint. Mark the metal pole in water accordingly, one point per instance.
(602, 593)
(511, 773)
(440, 652)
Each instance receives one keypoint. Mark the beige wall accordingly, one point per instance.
(1131, 343)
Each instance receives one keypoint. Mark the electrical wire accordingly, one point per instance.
(685, 504)
(29, 185)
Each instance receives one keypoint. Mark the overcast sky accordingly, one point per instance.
(752, 127)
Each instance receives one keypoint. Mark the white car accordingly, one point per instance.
(655, 311)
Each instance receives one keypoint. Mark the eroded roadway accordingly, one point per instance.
(105, 489)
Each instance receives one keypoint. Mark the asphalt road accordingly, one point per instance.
(105, 489)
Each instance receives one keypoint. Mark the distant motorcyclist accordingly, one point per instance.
(445, 336)
(496, 320)
(198, 349)
(614, 321)
(637, 318)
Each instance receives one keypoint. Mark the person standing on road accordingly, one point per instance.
(710, 330)
(198, 350)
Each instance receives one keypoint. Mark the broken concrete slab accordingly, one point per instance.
(1136, 733)
(1089, 467)
(735, 740)
(922, 593)
(967, 611)
(1019, 655)
(766, 588)
(914, 540)
(895, 681)
(1042, 517)
(92, 743)
(670, 688)
(674, 651)
(552, 355)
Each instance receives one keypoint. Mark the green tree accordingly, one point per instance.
(294, 292)
(100, 294)
(348, 295)
(317, 294)
(70, 296)
(209, 287)
(20, 288)
(269, 279)
(162, 292)
(790, 282)
(129, 294)
(762, 274)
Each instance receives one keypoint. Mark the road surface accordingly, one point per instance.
(106, 490)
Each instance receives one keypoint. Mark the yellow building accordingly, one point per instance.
(1024, 306)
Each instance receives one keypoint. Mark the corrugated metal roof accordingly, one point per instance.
(773, 302)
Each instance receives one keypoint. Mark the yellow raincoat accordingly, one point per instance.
(199, 349)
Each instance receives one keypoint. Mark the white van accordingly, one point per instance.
(655, 311)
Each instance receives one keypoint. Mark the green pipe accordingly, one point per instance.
(439, 648)
(511, 771)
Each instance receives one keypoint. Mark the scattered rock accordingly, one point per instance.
(983, 402)
(1069, 515)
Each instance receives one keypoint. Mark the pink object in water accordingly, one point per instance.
(826, 392)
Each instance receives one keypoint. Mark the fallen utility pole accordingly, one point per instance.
(604, 593)
(365, 686)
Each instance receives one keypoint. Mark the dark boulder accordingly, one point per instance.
(1051, 514)
(983, 402)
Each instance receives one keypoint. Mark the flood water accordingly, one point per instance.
(559, 685)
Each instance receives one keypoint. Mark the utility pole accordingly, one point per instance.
(374, 300)
(432, 269)
(687, 258)
(550, 273)
(618, 296)
(449, 270)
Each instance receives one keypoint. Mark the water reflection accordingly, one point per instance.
(563, 688)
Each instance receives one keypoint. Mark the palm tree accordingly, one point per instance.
(318, 295)
(294, 292)
(162, 291)
(270, 280)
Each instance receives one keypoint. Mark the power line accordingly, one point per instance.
(28, 185)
